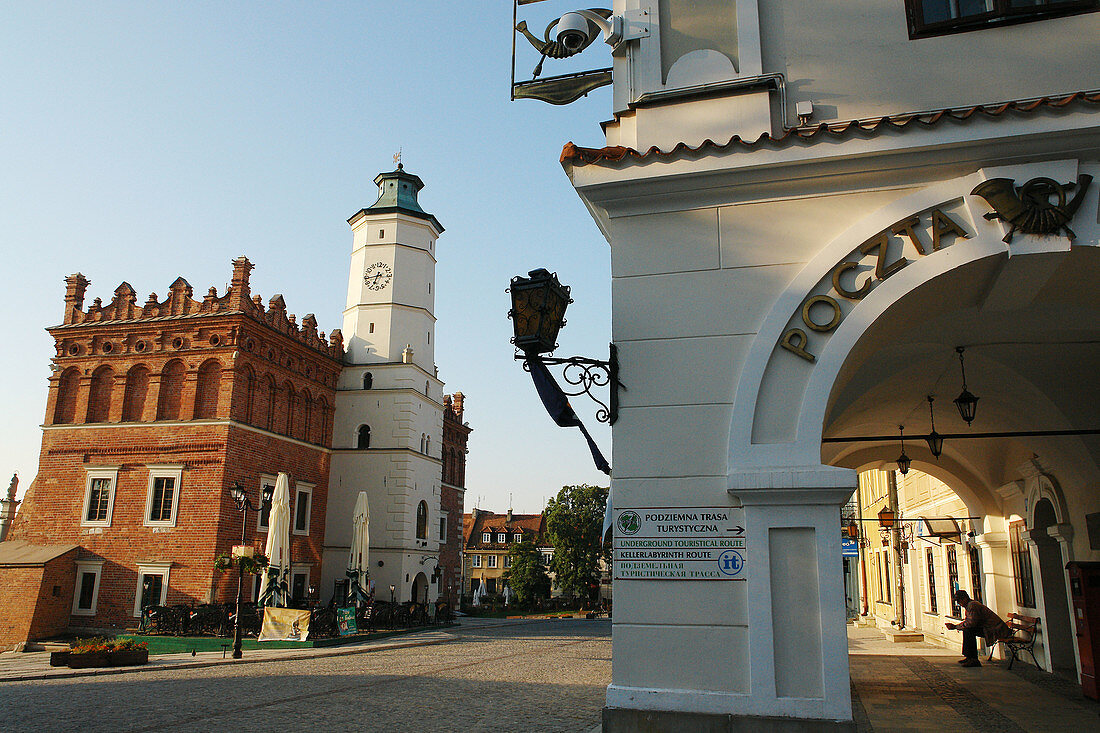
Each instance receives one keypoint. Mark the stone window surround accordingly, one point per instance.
(265, 480)
(301, 487)
(151, 568)
(83, 567)
(97, 472)
(165, 470)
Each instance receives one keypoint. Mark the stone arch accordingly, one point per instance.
(207, 387)
(137, 389)
(171, 390)
(100, 393)
(1043, 486)
(65, 407)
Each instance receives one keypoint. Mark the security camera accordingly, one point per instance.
(573, 32)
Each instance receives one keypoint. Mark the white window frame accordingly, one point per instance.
(82, 567)
(99, 472)
(517, 537)
(486, 536)
(507, 562)
(174, 472)
(299, 570)
(300, 487)
(475, 561)
(502, 538)
(152, 568)
(492, 561)
(265, 480)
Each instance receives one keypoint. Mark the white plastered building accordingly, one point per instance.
(797, 248)
(388, 421)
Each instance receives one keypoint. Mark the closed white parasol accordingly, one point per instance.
(275, 587)
(360, 550)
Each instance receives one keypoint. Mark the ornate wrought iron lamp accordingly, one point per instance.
(886, 518)
(934, 439)
(244, 505)
(538, 314)
(966, 401)
(903, 460)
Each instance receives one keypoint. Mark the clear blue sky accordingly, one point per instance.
(143, 141)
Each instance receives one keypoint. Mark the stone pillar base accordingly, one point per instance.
(627, 720)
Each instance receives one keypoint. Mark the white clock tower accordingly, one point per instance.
(388, 424)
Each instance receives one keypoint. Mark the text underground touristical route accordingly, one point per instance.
(681, 543)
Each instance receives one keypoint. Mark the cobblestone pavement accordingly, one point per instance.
(528, 676)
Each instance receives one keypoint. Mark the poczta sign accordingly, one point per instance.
(822, 313)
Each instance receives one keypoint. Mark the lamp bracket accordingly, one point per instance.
(587, 374)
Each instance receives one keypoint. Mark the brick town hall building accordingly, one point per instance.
(156, 409)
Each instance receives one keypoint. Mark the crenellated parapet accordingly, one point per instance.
(181, 303)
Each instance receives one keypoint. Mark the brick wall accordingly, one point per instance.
(29, 607)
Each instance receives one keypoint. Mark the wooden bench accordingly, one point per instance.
(1024, 630)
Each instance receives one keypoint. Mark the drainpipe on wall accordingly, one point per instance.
(895, 545)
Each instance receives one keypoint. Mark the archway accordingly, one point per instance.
(1057, 631)
(420, 588)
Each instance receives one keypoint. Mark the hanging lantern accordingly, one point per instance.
(538, 311)
(903, 460)
(934, 439)
(886, 518)
(853, 530)
(966, 401)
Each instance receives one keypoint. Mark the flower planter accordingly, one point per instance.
(89, 659)
(59, 659)
(128, 657)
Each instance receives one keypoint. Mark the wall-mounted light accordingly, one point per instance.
(886, 518)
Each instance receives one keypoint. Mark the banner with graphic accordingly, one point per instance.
(284, 624)
(345, 621)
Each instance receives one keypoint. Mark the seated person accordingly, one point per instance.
(979, 621)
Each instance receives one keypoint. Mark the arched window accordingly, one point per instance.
(171, 390)
(364, 437)
(422, 436)
(422, 521)
(428, 445)
(426, 388)
(206, 390)
(137, 387)
(99, 397)
(249, 394)
(64, 412)
(368, 380)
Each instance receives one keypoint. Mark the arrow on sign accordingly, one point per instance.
(737, 530)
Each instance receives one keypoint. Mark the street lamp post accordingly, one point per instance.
(244, 505)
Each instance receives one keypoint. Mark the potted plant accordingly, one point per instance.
(128, 653)
(89, 653)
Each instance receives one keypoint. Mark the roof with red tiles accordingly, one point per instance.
(830, 131)
(532, 526)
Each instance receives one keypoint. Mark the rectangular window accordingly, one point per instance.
(371, 329)
(263, 516)
(953, 580)
(443, 529)
(1021, 565)
(492, 561)
(486, 537)
(975, 573)
(491, 585)
(299, 583)
(939, 17)
(502, 538)
(930, 559)
(86, 597)
(152, 586)
(162, 499)
(546, 558)
(475, 561)
(303, 500)
(507, 561)
(99, 496)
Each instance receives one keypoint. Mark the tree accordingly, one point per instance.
(527, 577)
(573, 522)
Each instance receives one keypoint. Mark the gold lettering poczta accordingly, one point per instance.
(794, 341)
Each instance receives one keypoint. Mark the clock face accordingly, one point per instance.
(378, 276)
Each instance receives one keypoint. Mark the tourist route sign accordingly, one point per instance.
(679, 543)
